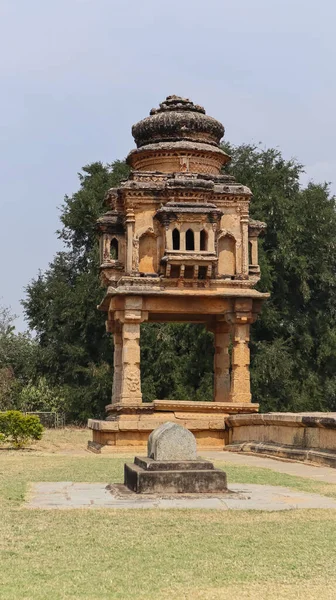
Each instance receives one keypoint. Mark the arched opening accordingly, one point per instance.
(147, 254)
(203, 240)
(114, 249)
(190, 240)
(250, 253)
(227, 256)
(176, 239)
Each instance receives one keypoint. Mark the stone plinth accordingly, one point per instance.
(174, 477)
(130, 426)
(176, 470)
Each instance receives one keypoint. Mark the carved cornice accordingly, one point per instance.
(111, 222)
(255, 228)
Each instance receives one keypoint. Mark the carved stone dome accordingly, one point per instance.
(177, 119)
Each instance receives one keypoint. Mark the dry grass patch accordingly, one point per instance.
(107, 554)
(69, 439)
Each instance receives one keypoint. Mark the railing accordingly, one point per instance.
(49, 419)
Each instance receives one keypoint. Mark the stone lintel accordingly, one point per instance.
(208, 407)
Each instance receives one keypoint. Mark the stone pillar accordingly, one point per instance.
(131, 317)
(222, 362)
(182, 241)
(117, 363)
(244, 220)
(169, 239)
(254, 250)
(211, 239)
(130, 392)
(240, 374)
(130, 220)
(197, 240)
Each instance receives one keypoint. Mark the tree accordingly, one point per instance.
(18, 358)
(61, 304)
(294, 340)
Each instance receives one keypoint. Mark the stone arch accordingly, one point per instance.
(189, 240)
(114, 249)
(227, 255)
(148, 251)
(176, 239)
(204, 239)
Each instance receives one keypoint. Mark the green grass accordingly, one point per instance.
(152, 554)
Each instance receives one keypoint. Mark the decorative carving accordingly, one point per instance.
(132, 379)
(136, 254)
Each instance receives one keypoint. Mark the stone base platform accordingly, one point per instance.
(306, 437)
(315, 456)
(130, 425)
(148, 476)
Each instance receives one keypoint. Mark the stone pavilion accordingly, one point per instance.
(177, 245)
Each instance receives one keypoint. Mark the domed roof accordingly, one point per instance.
(177, 119)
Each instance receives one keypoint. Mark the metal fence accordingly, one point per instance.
(50, 419)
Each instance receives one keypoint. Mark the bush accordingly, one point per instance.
(40, 397)
(19, 429)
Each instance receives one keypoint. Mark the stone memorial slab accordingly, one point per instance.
(172, 442)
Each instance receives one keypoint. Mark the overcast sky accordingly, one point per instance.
(76, 74)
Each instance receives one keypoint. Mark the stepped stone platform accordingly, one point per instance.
(147, 476)
(131, 425)
(172, 466)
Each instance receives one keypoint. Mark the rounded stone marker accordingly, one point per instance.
(172, 442)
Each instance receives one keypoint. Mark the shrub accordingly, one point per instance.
(39, 396)
(19, 429)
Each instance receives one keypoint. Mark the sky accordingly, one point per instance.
(76, 74)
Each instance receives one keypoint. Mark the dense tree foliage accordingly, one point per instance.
(293, 343)
(18, 360)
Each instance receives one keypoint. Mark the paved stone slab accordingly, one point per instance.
(299, 469)
(65, 494)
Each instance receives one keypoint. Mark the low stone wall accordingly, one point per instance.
(298, 436)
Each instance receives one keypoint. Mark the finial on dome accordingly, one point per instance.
(177, 103)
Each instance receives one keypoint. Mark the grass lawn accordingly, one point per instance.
(152, 554)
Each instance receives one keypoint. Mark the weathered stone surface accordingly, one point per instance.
(172, 442)
(201, 481)
(314, 455)
(175, 465)
(303, 431)
(69, 495)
